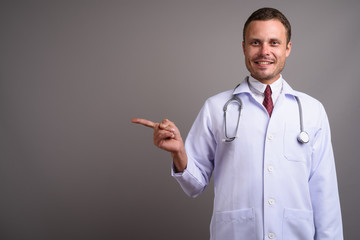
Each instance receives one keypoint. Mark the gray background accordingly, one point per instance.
(73, 74)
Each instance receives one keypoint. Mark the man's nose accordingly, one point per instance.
(265, 50)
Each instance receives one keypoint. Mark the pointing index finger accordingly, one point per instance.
(146, 123)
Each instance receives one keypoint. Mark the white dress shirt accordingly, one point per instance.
(257, 88)
(267, 184)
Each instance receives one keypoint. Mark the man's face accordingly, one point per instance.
(265, 49)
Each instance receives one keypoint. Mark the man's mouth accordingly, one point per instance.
(263, 62)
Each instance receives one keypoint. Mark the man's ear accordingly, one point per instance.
(243, 46)
(288, 49)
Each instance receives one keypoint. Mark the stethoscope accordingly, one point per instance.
(303, 136)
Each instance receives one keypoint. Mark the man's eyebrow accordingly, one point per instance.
(275, 39)
(254, 39)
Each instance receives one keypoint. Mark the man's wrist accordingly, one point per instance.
(179, 160)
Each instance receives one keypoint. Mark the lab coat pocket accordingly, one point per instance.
(237, 224)
(292, 148)
(298, 224)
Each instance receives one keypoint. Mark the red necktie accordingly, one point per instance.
(268, 104)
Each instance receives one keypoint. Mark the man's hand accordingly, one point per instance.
(167, 137)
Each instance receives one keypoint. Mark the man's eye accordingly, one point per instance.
(255, 43)
(275, 43)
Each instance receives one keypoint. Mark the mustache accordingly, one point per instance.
(258, 58)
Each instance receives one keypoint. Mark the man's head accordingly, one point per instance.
(264, 14)
(266, 44)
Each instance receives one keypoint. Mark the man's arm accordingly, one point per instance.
(323, 187)
(191, 169)
(167, 137)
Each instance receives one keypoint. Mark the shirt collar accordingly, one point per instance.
(243, 87)
(258, 87)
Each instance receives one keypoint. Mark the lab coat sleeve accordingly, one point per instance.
(200, 148)
(323, 186)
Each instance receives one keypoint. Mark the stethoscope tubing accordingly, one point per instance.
(238, 100)
(303, 136)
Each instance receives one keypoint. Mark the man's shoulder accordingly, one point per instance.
(216, 102)
(228, 94)
(221, 95)
(311, 106)
(306, 98)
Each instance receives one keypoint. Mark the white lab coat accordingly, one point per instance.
(267, 184)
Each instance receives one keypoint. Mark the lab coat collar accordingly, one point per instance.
(288, 90)
(243, 87)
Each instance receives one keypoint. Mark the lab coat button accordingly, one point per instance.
(271, 235)
(271, 201)
(270, 168)
(271, 137)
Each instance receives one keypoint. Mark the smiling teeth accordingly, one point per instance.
(264, 62)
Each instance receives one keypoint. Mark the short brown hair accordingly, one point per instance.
(264, 14)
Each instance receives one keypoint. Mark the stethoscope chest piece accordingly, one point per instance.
(303, 137)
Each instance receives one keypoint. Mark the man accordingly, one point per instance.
(270, 183)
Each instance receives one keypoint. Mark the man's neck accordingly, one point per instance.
(268, 81)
